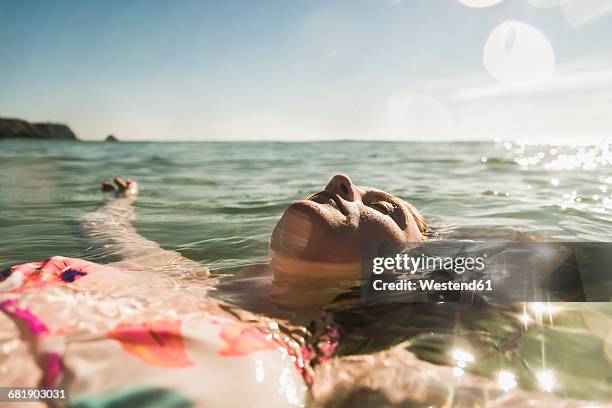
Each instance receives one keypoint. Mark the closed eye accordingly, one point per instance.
(386, 204)
(382, 206)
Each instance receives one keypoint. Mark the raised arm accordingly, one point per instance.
(110, 230)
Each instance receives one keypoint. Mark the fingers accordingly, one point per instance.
(121, 183)
(107, 186)
(124, 187)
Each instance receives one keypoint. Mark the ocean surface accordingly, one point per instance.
(217, 203)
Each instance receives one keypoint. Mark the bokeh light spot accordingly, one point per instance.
(517, 53)
(479, 3)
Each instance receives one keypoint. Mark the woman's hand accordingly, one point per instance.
(125, 188)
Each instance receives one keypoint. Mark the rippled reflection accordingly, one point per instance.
(593, 161)
(224, 221)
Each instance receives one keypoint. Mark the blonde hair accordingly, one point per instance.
(418, 218)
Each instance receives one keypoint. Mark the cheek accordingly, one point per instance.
(378, 228)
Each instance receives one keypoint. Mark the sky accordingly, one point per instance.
(424, 70)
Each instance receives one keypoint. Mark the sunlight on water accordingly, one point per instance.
(462, 357)
(506, 380)
(525, 319)
(219, 202)
(594, 160)
(546, 380)
(517, 53)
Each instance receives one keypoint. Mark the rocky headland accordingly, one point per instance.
(21, 129)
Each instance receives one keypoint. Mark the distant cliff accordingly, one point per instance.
(17, 128)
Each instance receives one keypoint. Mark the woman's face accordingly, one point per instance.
(341, 222)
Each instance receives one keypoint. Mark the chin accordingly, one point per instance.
(307, 231)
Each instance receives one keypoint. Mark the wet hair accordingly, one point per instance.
(418, 218)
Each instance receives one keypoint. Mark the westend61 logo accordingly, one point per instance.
(517, 271)
(402, 263)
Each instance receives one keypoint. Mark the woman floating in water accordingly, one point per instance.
(156, 329)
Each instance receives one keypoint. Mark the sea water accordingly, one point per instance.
(217, 203)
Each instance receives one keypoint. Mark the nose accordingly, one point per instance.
(342, 185)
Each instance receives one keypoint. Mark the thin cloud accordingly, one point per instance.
(582, 76)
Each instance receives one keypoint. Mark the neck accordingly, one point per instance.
(315, 271)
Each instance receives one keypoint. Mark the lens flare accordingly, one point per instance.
(525, 319)
(517, 53)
